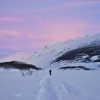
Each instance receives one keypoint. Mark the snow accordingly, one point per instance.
(62, 85)
(49, 53)
(47, 90)
(91, 65)
(94, 58)
(45, 56)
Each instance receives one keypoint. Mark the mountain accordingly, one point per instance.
(19, 56)
(80, 51)
(18, 65)
(83, 52)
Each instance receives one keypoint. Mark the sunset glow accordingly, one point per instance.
(28, 25)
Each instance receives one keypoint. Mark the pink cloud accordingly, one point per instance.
(9, 33)
(61, 30)
(47, 31)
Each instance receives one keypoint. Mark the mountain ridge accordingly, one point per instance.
(44, 57)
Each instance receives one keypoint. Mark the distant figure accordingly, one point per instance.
(50, 71)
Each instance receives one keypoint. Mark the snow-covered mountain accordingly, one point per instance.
(47, 56)
(19, 56)
(81, 51)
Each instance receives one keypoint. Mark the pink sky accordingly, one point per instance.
(30, 25)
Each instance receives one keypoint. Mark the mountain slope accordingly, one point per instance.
(49, 56)
(78, 52)
(19, 56)
(82, 54)
(18, 65)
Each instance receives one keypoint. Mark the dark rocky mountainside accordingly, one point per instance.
(83, 54)
(18, 65)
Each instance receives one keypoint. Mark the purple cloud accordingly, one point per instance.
(10, 19)
(31, 26)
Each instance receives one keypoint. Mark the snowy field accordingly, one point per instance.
(62, 85)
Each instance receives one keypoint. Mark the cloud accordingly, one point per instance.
(10, 47)
(35, 18)
(10, 19)
(46, 31)
(64, 29)
(9, 34)
(60, 28)
(77, 4)
(68, 5)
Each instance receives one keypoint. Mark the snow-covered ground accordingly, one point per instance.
(62, 85)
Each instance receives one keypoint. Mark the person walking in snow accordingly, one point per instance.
(50, 71)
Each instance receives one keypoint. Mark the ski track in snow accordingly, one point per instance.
(47, 90)
(62, 85)
(53, 90)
